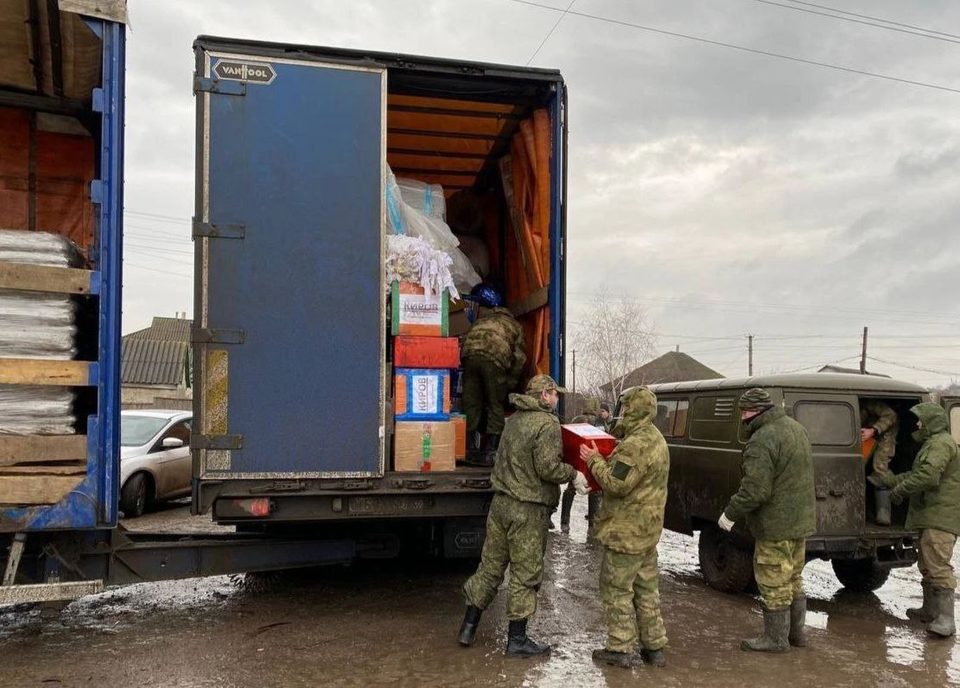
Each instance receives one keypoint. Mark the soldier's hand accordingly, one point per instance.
(896, 497)
(725, 523)
(867, 433)
(588, 450)
(580, 484)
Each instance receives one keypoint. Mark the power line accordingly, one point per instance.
(147, 267)
(923, 33)
(867, 16)
(550, 32)
(912, 367)
(742, 48)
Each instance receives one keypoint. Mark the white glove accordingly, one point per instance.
(725, 523)
(580, 484)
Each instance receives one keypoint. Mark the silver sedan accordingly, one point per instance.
(154, 458)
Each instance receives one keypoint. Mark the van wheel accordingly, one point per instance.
(860, 575)
(725, 564)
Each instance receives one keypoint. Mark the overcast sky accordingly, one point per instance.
(728, 191)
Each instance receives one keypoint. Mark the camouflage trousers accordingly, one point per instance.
(516, 536)
(485, 389)
(935, 554)
(883, 453)
(778, 568)
(630, 593)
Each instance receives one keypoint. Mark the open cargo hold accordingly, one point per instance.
(313, 130)
(61, 101)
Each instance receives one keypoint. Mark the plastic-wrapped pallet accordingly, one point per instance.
(37, 325)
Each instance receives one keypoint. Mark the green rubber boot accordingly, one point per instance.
(776, 628)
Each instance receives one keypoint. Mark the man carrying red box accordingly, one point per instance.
(629, 523)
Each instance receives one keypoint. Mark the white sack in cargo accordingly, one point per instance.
(403, 218)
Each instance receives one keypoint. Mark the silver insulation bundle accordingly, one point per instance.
(37, 325)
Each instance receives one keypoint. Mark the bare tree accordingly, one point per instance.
(615, 340)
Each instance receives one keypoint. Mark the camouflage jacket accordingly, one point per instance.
(879, 416)
(634, 479)
(498, 338)
(591, 413)
(528, 466)
(588, 418)
(776, 494)
(933, 484)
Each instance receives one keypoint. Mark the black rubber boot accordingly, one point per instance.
(593, 505)
(468, 629)
(624, 660)
(493, 444)
(776, 628)
(882, 507)
(943, 605)
(654, 658)
(924, 613)
(798, 619)
(476, 452)
(519, 645)
(566, 504)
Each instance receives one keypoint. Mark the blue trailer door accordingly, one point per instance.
(289, 333)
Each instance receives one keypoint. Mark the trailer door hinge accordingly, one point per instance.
(215, 442)
(205, 84)
(217, 230)
(214, 335)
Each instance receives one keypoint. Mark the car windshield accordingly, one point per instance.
(138, 430)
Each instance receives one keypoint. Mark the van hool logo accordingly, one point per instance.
(253, 72)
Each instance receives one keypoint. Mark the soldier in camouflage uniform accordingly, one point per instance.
(933, 488)
(634, 482)
(526, 478)
(590, 415)
(777, 499)
(493, 357)
(878, 421)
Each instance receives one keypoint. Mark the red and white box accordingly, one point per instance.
(575, 436)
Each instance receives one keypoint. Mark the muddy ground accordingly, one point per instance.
(395, 624)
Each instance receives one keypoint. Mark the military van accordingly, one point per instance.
(701, 423)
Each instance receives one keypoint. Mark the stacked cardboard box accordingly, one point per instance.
(425, 437)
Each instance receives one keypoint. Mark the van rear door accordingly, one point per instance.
(289, 338)
(952, 406)
(832, 423)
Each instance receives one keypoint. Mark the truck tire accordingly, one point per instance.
(725, 564)
(860, 575)
(135, 496)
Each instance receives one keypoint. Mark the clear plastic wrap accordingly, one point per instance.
(425, 198)
(404, 218)
(412, 259)
(36, 410)
(37, 325)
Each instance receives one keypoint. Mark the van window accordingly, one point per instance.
(713, 419)
(671, 418)
(827, 423)
(955, 422)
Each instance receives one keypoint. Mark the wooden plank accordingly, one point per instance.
(37, 448)
(27, 277)
(31, 371)
(46, 489)
(41, 469)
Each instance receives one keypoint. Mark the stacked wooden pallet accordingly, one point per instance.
(42, 468)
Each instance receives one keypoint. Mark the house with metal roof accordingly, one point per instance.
(155, 365)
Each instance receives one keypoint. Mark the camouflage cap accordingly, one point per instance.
(755, 399)
(542, 383)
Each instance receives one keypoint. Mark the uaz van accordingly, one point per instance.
(701, 423)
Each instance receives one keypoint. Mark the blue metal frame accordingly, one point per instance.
(558, 228)
(94, 503)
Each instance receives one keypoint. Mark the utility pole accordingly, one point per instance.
(750, 355)
(574, 371)
(863, 353)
